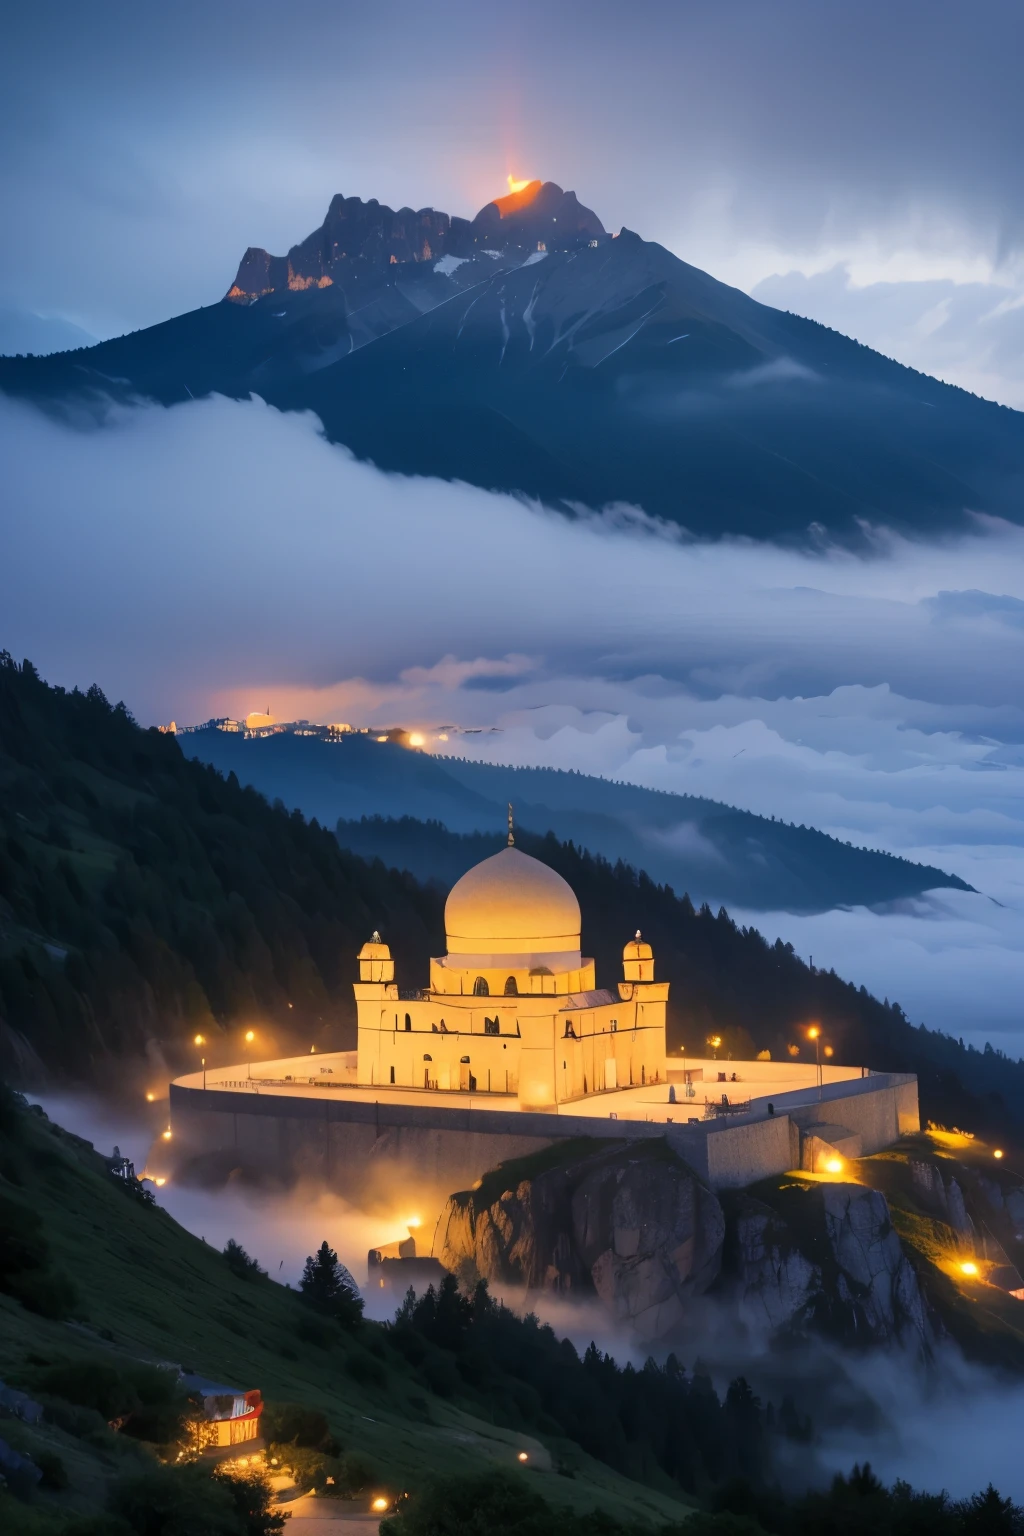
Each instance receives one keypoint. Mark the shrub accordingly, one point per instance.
(145, 1398)
(365, 1369)
(194, 1500)
(359, 1472)
(55, 1473)
(47, 1293)
(25, 1271)
(491, 1504)
(23, 1244)
(295, 1424)
(240, 1264)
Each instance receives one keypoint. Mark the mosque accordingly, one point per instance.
(510, 1047)
(513, 1007)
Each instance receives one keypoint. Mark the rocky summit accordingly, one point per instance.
(536, 218)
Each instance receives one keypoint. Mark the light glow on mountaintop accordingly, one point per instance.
(517, 186)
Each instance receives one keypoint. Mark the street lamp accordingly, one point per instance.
(814, 1033)
(250, 1036)
(714, 1041)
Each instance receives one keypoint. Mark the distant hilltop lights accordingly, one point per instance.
(261, 723)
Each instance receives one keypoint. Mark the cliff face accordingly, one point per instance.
(832, 1262)
(631, 1224)
(358, 238)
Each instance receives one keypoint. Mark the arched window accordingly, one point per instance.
(511, 989)
(480, 987)
(392, 1074)
(408, 1022)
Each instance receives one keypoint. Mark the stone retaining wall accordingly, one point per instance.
(348, 1143)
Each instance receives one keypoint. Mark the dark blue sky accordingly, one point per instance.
(146, 146)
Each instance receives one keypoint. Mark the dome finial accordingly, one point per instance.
(511, 838)
(638, 935)
(375, 938)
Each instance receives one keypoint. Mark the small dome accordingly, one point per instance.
(637, 949)
(511, 904)
(374, 949)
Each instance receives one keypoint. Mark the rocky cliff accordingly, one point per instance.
(631, 1224)
(826, 1258)
(370, 238)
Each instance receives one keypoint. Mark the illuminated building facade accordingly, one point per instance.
(512, 1008)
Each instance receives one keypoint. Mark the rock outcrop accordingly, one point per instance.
(358, 238)
(827, 1258)
(631, 1223)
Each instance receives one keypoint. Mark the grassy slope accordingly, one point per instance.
(150, 1290)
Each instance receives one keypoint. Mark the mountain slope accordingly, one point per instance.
(714, 851)
(147, 1290)
(596, 370)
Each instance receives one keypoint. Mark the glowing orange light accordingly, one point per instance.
(834, 1165)
(518, 186)
(160, 1183)
(166, 1134)
(415, 740)
(249, 1037)
(968, 1267)
(813, 1032)
(414, 1221)
(151, 1096)
(523, 1456)
(199, 1040)
(998, 1152)
(379, 1505)
(828, 1051)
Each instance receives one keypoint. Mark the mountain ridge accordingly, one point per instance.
(717, 852)
(377, 236)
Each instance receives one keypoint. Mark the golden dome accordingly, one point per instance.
(511, 904)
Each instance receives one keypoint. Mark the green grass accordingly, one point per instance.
(149, 1290)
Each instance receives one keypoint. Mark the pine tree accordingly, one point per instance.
(327, 1285)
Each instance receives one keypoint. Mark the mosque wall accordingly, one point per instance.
(362, 1148)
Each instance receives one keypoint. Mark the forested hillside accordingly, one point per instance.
(715, 851)
(144, 898)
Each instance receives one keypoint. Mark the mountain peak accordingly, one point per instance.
(357, 236)
(539, 212)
